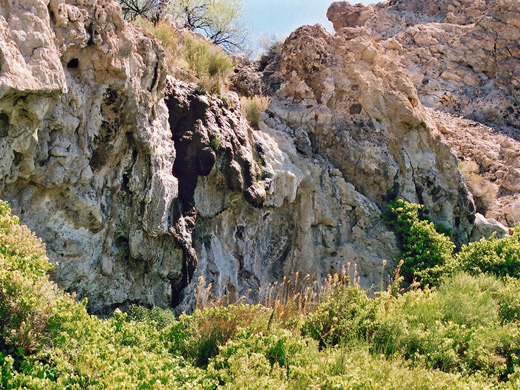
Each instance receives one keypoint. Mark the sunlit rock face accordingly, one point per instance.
(86, 154)
(464, 59)
(140, 184)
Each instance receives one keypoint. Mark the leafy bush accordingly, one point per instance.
(155, 317)
(253, 108)
(500, 257)
(199, 336)
(27, 300)
(457, 328)
(468, 327)
(48, 341)
(427, 255)
(508, 298)
(344, 316)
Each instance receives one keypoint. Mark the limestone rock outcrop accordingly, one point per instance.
(464, 59)
(86, 157)
(140, 183)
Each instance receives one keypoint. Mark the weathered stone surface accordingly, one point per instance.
(362, 113)
(495, 157)
(344, 134)
(140, 184)
(463, 57)
(484, 228)
(86, 154)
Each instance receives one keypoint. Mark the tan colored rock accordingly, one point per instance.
(85, 153)
(493, 180)
(485, 228)
(364, 116)
(472, 45)
(463, 58)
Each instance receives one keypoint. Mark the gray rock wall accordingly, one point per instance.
(140, 184)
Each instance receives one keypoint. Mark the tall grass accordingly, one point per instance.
(211, 64)
(190, 57)
(170, 39)
(253, 108)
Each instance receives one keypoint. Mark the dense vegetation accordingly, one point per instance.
(191, 58)
(462, 334)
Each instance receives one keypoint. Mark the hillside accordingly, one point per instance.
(339, 214)
(141, 182)
(465, 334)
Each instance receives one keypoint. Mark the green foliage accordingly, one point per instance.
(27, 299)
(155, 317)
(344, 316)
(209, 63)
(215, 142)
(199, 336)
(48, 341)
(500, 257)
(170, 39)
(464, 334)
(456, 328)
(427, 255)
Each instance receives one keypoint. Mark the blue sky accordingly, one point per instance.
(281, 17)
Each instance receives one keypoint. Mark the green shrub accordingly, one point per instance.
(469, 301)
(209, 63)
(345, 316)
(155, 317)
(427, 255)
(508, 299)
(27, 299)
(457, 328)
(468, 327)
(279, 347)
(198, 337)
(500, 257)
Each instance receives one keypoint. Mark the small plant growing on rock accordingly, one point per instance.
(215, 142)
(253, 108)
(211, 65)
(171, 41)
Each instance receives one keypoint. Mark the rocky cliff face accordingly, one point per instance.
(140, 183)
(463, 57)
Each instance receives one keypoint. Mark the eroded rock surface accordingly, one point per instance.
(86, 153)
(344, 134)
(140, 184)
(464, 59)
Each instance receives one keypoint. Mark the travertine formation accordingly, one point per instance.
(140, 183)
